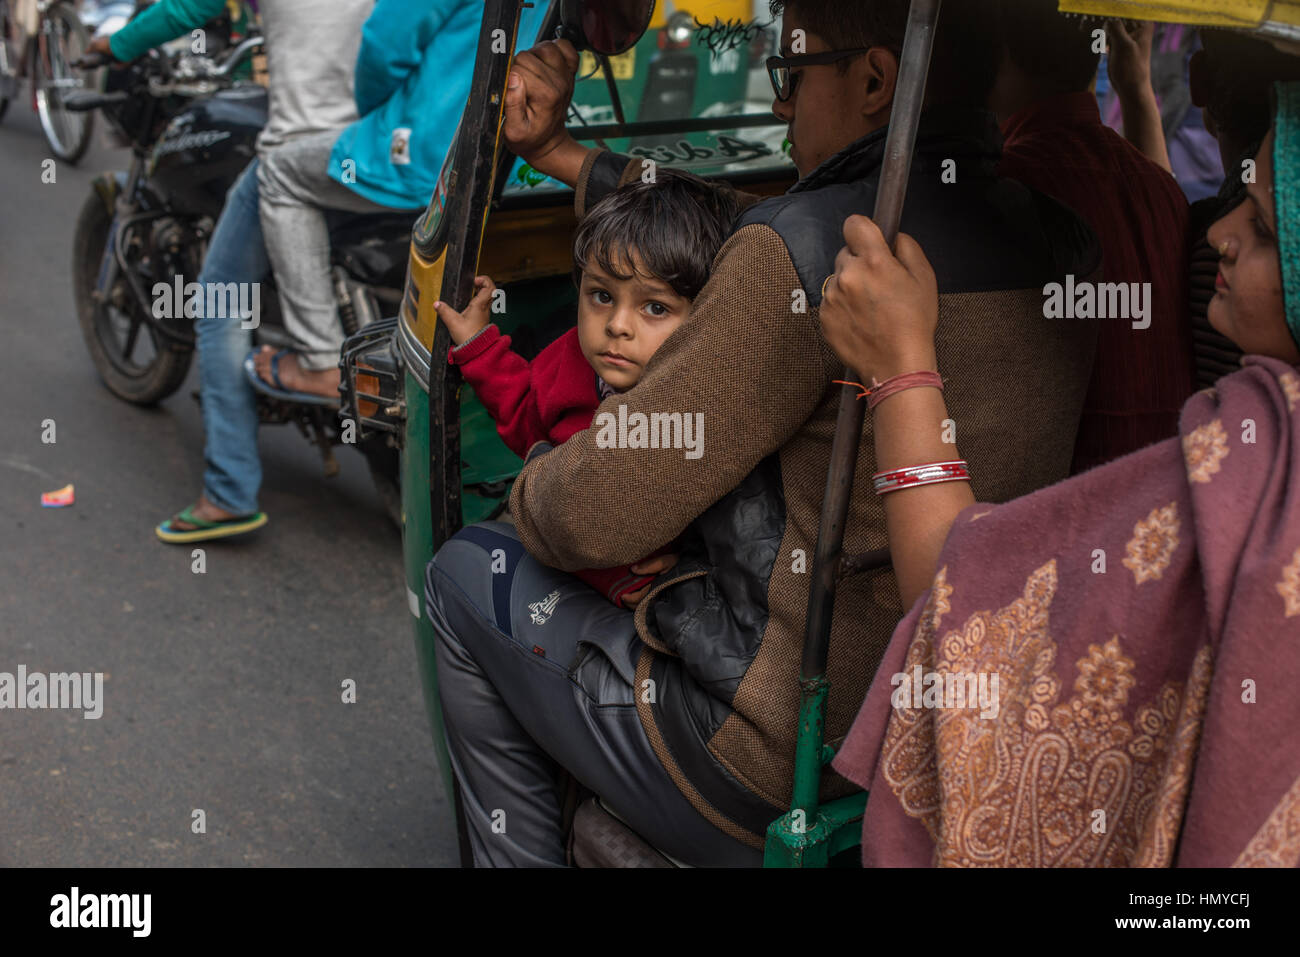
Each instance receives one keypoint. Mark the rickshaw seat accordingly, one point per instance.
(599, 839)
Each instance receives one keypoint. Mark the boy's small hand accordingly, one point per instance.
(651, 566)
(655, 565)
(464, 326)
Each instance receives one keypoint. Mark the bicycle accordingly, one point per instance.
(45, 55)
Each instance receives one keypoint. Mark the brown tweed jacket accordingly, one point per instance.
(751, 359)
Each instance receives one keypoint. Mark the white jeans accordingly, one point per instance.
(295, 189)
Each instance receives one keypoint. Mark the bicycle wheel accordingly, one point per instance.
(8, 59)
(61, 40)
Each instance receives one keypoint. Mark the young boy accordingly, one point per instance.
(640, 257)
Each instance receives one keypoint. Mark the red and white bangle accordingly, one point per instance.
(914, 475)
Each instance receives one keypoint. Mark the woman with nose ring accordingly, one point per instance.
(1105, 672)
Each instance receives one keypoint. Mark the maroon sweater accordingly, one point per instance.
(547, 400)
(1141, 377)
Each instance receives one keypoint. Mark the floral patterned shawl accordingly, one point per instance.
(1143, 620)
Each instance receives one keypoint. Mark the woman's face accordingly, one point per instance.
(1247, 306)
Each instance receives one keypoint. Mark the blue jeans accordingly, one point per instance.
(236, 254)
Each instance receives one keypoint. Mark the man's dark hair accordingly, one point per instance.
(675, 225)
(850, 23)
(1050, 47)
(963, 64)
(1239, 75)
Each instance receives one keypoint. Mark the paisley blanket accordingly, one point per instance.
(1139, 628)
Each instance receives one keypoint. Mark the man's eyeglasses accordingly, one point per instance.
(778, 67)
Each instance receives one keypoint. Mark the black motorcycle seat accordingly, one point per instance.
(351, 229)
(375, 263)
(372, 247)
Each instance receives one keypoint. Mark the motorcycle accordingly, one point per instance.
(192, 129)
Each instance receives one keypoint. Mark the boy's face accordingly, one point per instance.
(621, 322)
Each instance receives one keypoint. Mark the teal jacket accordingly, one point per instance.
(160, 23)
(412, 80)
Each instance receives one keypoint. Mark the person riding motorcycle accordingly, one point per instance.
(310, 48)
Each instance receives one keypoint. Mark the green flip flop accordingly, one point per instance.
(205, 530)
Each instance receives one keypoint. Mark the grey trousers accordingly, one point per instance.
(295, 189)
(536, 674)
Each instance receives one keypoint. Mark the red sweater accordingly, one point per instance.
(1141, 377)
(547, 400)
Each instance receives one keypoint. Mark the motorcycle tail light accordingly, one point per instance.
(371, 384)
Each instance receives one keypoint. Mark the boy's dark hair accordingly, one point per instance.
(964, 63)
(675, 225)
(1050, 47)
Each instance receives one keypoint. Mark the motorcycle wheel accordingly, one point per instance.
(113, 336)
(52, 74)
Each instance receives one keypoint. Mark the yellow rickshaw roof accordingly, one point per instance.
(1275, 19)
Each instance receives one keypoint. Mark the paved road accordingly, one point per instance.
(221, 690)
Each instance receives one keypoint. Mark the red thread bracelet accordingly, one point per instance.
(880, 391)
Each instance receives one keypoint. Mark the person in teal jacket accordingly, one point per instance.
(411, 83)
(413, 73)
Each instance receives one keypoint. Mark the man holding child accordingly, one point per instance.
(681, 713)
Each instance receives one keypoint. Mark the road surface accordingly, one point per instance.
(222, 691)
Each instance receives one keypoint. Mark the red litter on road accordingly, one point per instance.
(60, 498)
